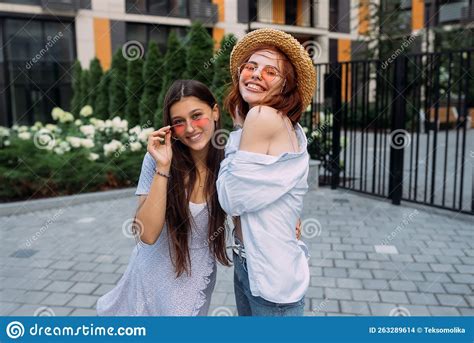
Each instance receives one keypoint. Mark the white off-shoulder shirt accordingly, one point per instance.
(267, 193)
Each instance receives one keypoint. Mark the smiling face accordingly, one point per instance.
(192, 122)
(261, 77)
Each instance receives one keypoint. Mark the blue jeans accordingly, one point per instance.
(249, 305)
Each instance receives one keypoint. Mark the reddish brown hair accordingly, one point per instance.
(288, 102)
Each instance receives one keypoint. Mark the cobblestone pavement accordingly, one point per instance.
(368, 257)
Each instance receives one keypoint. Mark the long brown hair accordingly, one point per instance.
(288, 102)
(178, 217)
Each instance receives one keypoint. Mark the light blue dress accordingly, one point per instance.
(267, 193)
(149, 286)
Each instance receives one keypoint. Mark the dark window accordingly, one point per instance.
(290, 13)
(35, 73)
(333, 15)
(333, 50)
(158, 7)
(178, 8)
(145, 33)
(339, 16)
(23, 2)
(136, 6)
(137, 32)
(171, 8)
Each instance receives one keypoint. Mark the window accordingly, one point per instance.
(144, 33)
(339, 16)
(167, 8)
(24, 2)
(35, 73)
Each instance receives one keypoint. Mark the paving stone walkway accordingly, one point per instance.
(368, 257)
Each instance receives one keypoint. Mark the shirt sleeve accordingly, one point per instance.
(146, 175)
(248, 182)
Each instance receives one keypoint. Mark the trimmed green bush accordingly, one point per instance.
(134, 91)
(95, 75)
(85, 88)
(76, 100)
(199, 53)
(102, 101)
(118, 81)
(222, 78)
(152, 80)
(173, 69)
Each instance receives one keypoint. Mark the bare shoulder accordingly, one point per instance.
(264, 120)
(262, 112)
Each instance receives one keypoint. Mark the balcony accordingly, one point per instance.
(294, 13)
(204, 11)
(451, 12)
(60, 5)
(339, 16)
(467, 14)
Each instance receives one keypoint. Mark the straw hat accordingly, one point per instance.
(298, 56)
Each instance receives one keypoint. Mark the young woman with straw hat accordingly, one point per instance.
(263, 177)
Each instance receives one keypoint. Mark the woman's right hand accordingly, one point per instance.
(159, 146)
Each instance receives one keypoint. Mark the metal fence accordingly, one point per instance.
(399, 129)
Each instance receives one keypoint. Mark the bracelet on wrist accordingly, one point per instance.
(161, 173)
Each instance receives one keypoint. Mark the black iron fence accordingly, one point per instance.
(400, 129)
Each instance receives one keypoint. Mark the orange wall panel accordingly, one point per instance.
(278, 11)
(299, 13)
(220, 9)
(344, 55)
(343, 50)
(103, 42)
(417, 14)
(217, 34)
(363, 17)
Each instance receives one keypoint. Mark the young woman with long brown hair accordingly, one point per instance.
(180, 224)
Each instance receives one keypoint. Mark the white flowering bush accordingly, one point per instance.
(70, 155)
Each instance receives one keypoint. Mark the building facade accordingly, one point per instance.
(41, 39)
